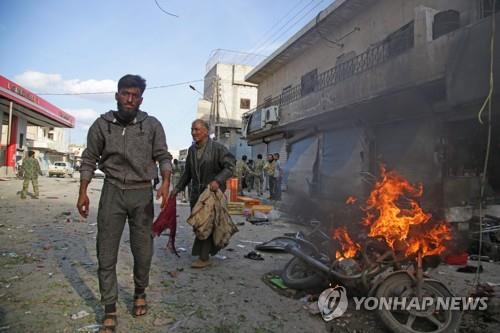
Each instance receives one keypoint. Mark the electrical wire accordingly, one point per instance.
(272, 27)
(296, 22)
(163, 10)
(112, 92)
(267, 42)
(486, 104)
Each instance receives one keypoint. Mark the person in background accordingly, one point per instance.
(241, 171)
(208, 164)
(176, 175)
(269, 172)
(259, 175)
(249, 178)
(278, 173)
(31, 169)
(156, 181)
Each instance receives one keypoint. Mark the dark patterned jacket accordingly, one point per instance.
(216, 163)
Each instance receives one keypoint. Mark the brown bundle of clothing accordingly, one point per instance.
(211, 217)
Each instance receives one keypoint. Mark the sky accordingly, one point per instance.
(74, 46)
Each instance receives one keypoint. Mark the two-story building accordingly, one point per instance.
(370, 82)
(226, 97)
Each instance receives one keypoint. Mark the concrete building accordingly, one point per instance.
(30, 122)
(381, 81)
(226, 97)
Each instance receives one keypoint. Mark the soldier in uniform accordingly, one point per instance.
(269, 169)
(31, 170)
(259, 176)
(176, 176)
(240, 171)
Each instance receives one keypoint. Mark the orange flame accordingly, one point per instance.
(393, 213)
(349, 247)
(351, 200)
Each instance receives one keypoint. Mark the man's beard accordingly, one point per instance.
(126, 116)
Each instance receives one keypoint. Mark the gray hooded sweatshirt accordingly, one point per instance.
(126, 154)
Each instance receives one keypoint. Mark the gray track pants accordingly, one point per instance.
(115, 207)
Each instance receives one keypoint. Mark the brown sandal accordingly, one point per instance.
(140, 305)
(107, 328)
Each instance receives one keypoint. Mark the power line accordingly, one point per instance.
(269, 41)
(112, 92)
(296, 22)
(163, 10)
(273, 26)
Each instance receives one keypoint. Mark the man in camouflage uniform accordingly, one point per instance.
(176, 177)
(240, 171)
(31, 170)
(269, 169)
(259, 176)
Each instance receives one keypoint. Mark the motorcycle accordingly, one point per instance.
(376, 270)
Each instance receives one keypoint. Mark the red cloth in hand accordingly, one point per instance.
(167, 220)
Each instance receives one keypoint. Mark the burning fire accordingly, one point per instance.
(392, 212)
(349, 247)
(351, 200)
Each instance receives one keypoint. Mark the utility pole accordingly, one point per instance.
(214, 112)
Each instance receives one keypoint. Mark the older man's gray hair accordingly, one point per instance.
(202, 122)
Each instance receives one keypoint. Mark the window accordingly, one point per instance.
(245, 103)
(487, 7)
(21, 140)
(308, 82)
(445, 22)
(400, 40)
(50, 136)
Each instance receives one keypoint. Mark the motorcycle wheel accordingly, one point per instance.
(299, 275)
(429, 320)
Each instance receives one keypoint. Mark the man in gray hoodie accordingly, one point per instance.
(125, 145)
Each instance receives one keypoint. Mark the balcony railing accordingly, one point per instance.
(392, 46)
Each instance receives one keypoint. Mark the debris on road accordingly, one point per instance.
(90, 328)
(79, 315)
(253, 256)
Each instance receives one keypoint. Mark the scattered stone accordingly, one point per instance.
(90, 328)
(221, 257)
(174, 274)
(163, 321)
(79, 315)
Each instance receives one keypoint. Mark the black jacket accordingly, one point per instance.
(217, 163)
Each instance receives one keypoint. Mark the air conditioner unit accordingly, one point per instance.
(270, 115)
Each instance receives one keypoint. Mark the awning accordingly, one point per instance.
(33, 106)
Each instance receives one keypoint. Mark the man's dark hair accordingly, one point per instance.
(176, 161)
(259, 156)
(31, 153)
(132, 81)
(244, 157)
(277, 155)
